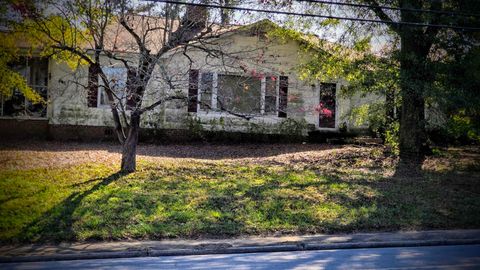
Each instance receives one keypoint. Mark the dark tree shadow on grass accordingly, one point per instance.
(56, 224)
(213, 151)
(217, 202)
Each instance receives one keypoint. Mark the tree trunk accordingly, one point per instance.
(129, 150)
(414, 82)
(412, 133)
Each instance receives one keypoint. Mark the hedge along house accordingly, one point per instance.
(247, 82)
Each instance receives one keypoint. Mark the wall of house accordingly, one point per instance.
(68, 96)
(264, 57)
(256, 56)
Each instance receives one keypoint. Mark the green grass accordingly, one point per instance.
(196, 199)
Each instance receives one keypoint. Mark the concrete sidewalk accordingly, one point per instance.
(128, 249)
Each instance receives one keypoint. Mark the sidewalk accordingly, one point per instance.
(126, 249)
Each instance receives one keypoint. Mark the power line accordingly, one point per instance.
(415, 24)
(442, 12)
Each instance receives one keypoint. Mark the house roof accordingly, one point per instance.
(149, 29)
(153, 31)
(273, 30)
(120, 40)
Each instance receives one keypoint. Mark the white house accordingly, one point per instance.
(256, 89)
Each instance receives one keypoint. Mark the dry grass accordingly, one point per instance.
(44, 154)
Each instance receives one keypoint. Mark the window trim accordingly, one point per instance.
(215, 112)
(101, 89)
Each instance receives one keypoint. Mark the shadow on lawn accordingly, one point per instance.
(56, 224)
(191, 150)
(216, 201)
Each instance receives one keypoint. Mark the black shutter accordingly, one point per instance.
(131, 88)
(92, 97)
(193, 90)
(283, 97)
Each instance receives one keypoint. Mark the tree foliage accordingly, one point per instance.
(421, 67)
(10, 79)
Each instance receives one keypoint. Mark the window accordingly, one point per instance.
(117, 78)
(239, 94)
(35, 71)
(235, 93)
(327, 105)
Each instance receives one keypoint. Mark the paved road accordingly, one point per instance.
(437, 257)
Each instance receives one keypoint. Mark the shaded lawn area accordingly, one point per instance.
(328, 190)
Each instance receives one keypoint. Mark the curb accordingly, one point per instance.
(237, 250)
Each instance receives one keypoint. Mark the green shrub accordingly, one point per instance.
(392, 136)
(372, 115)
(293, 127)
(195, 127)
(462, 129)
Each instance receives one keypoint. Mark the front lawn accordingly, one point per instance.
(329, 190)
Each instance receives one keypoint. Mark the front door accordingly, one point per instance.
(327, 105)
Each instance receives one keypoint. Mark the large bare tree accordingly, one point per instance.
(141, 37)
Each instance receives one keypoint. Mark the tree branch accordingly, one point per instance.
(383, 16)
(432, 31)
(159, 102)
(74, 51)
(137, 38)
(112, 56)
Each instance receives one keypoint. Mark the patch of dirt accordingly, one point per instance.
(372, 158)
(465, 158)
(43, 154)
(48, 154)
